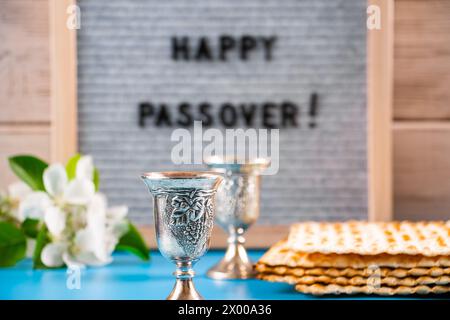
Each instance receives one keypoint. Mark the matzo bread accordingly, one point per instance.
(429, 239)
(358, 280)
(281, 255)
(323, 289)
(351, 272)
(318, 289)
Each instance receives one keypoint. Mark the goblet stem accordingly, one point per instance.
(184, 288)
(236, 263)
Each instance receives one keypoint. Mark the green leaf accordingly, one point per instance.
(133, 242)
(41, 241)
(96, 179)
(29, 169)
(13, 244)
(71, 167)
(31, 227)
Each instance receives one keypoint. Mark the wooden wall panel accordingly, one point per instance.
(422, 109)
(21, 139)
(379, 103)
(422, 59)
(24, 61)
(63, 66)
(422, 171)
(24, 82)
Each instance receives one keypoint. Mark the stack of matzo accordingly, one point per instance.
(361, 257)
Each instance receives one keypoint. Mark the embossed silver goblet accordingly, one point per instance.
(237, 204)
(184, 208)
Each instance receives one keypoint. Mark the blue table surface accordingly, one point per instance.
(130, 278)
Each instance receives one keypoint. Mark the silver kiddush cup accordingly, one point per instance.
(184, 209)
(237, 209)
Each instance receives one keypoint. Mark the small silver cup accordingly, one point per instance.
(184, 208)
(237, 203)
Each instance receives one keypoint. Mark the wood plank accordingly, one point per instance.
(63, 65)
(422, 171)
(258, 236)
(24, 60)
(422, 59)
(19, 139)
(379, 88)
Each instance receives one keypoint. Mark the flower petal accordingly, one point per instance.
(34, 205)
(55, 179)
(118, 213)
(93, 243)
(91, 248)
(52, 254)
(111, 243)
(71, 261)
(91, 259)
(96, 223)
(85, 168)
(84, 240)
(87, 240)
(19, 190)
(118, 229)
(55, 219)
(96, 213)
(79, 191)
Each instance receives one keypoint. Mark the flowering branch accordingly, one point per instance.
(60, 209)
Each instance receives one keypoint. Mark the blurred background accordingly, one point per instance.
(108, 64)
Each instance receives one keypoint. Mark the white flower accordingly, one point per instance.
(93, 244)
(83, 230)
(52, 254)
(55, 219)
(79, 191)
(17, 192)
(60, 192)
(34, 205)
(91, 240)
(116, 223)
(97, 241)
(85, 168)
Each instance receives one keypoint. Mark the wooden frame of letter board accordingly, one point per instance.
(379, 99)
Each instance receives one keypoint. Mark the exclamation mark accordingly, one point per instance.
(313, 109)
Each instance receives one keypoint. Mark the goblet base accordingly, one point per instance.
(184, 290)
(235, 264)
